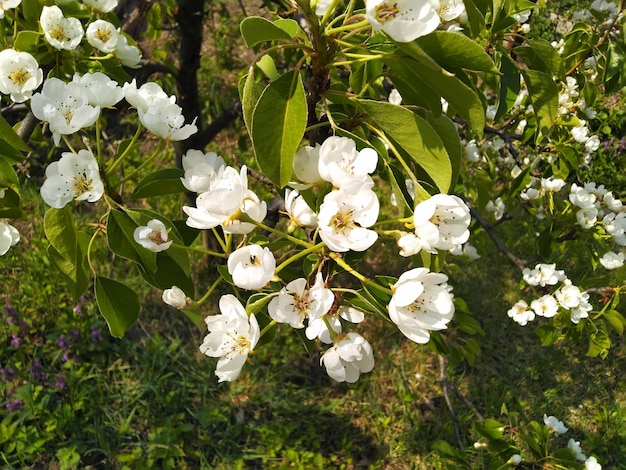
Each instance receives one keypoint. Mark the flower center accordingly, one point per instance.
(386, 12)
(58, 32)
(82, 185)
(237, 346)
(302, 304)
(156, 238)
(103, 35)
(343, 222)
(20, 76)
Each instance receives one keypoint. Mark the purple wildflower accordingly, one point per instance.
(61, 382)
(78, 310)
(15, 340)
(37, 371)
(7, 373)
(96, 334)
(14, 405)
(62, 342)
(75, 334)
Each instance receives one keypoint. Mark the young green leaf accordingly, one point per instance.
(118, 304)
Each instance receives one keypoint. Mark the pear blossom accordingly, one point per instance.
(612, 260)
(153, 236)
(451, 9)
(251, 206)
(321, 327)
(299, 212)
(615, 225)
(9, 236)
(102, 35)
(441, 222)
(251, 266)
(472, 152)
(297, 302)
(305, 167)
(395, 97)
(582, 197)
(574, 447)
(497, 208)
(543, 275)
(126, 53)
(340, 161)
(20, 74)
(59, 31)
(350, 357)
(515, 460)
(403, 20)
(587, 217)
(552, 184)
(8, 5)
(101, 90)
(520, 313)
(222, 201)
(64, 106)
(73, 177)
(322, 6)
(165, 119)
(421, 302)
(545, 306)
(345, 215)
(146, 96)
(232, 336)
(104, 6)
(613, 203)
(202, 170)
(582, 309)
(466, 250)
(554, 424)
(580, 134)
(175, 297)
(592, 464)
(569, 296)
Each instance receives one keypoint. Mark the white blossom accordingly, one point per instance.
(104, 6)
(421, 302)
(73, 177)
(64, 106)
(520, 313)
(395, 97)
(127, 54)
(298, 301)
(305, 167)
(8, 5)
(615, 225)
(592, 464)
(102, 35)
(59, 31)
(403, 20)
(175, 297)
(554, 424)
(165, 119)
(350, 357)
(441, 222)
(574, 446)
(153, 236)
(20, 74)
(9, 236)
(345, 215)
(299, 212)
(202, 170)
(232, 336)
(552, 184)
(545, 306)
(612, 260)
(340, 162)
(251, 266)
(101, 90)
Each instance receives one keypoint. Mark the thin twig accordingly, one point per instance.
(467, 403)
(27, 126)
(445, 386)
(520, 263)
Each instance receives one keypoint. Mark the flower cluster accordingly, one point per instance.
(567, 296)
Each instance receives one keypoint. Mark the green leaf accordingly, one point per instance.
(74, 272)
(616, 320)
(414, 90)
(10, 137)
(509, 86)
(61, 232)
(446, 129)
(490, 428)
(8, 177)
(255, 29)
(168, 273)
(415, 136)
(250, 93)
(414, 50)
(159, 183)
(268, 67)
(455, 50)
(278, 123)
(10, 152)
(544, 95)
(118, 304)
(541, 56)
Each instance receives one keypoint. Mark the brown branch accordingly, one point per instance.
(445, 386)
(27, 126)
(520, 263)
(221, 122)
(467, 403)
